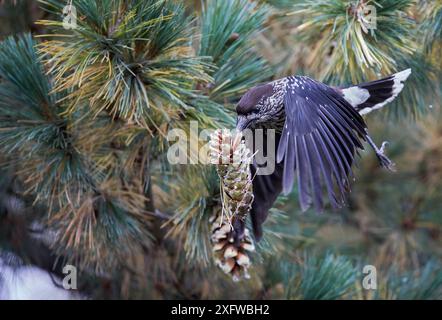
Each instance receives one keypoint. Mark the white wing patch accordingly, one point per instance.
(355, 95)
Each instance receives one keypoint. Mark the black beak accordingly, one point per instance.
(242, 123)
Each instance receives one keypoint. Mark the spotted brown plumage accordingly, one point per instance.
(319, 131)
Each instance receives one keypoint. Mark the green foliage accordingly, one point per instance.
(280, 4)
(227, 31)
(320, 278)
(194, 208)
(33, 130)
(432, 23)
(55, 169)
(131, 59)
(25, 86)
(347, 49)
(423, 285)
(84, 115)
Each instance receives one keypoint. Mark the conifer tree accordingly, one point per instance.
(85, 114)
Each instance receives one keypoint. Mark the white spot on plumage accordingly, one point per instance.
(355, 95)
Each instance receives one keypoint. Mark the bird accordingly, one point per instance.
(319, 130)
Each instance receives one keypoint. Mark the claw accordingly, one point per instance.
(380, 153)
(386, 163)
(383, 159)
(384, 144)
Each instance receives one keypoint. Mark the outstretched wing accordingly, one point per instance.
(321, 135)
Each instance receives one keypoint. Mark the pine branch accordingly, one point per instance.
(227, 30)
(325, 278)
(346, 49)
(131, 59)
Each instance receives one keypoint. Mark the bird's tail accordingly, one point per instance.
(370, 96)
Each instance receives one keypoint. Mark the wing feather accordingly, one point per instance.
(341, 173)
(302, 174)
(289, 162)
(350, 138)
(323, 133)
(325, 169)
(346, 155)
(315, 174)
(330, 159)
(339, 135)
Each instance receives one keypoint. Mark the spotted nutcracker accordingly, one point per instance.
(319, 129)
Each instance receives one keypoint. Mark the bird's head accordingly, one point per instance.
(252, 108)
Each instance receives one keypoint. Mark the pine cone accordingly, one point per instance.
(233, 159)
(233, 258)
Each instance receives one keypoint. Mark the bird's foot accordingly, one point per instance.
(380, 153)
(383, 159)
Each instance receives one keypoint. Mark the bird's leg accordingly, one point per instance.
(380, 153)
